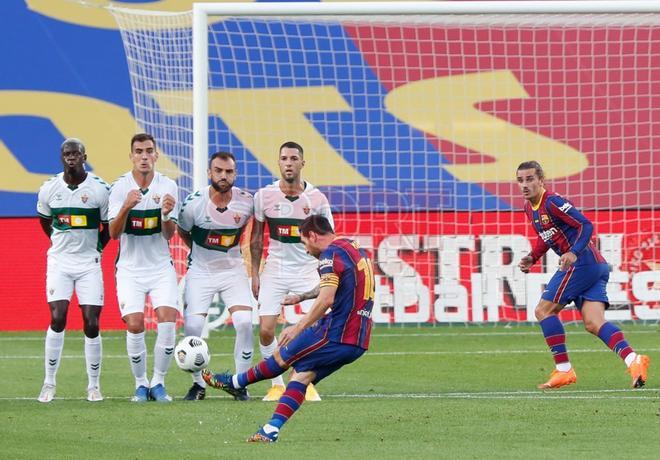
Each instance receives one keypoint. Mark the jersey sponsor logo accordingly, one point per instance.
(288, 230)
(545, 220)
(548, 234)
(143, 223)
(72, 220)
(220, 240)
(365, 313)
(565, 207)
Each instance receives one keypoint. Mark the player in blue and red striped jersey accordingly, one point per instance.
(319, 344)
(581, 278)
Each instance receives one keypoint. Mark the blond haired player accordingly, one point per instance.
(282, 206)
(72, 207)
(211, 223)
(142, 212)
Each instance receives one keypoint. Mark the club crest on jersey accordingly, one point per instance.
(306, 210)
(84, 198)
(51, 291)
(237, 218)
(545, 220)
(156, 199)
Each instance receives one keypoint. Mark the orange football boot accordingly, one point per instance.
(559, 379)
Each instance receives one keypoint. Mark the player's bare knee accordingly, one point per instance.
(266, 337)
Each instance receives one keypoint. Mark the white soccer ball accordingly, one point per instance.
(192, 354)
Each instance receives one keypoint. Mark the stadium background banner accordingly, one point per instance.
(69, 77)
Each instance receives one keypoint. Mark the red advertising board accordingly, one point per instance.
(431, 267)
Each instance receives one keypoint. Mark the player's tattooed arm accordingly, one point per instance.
(293, 299)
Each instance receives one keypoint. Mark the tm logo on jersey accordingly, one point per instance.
(224, 241)
(288, 230)
(565, 207)
(72, 220)
(146, 223)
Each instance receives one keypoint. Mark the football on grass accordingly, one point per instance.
(192, 354)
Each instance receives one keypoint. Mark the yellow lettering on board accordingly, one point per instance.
(105, 128)
(262, 119)
(445, 108)
(96, 15)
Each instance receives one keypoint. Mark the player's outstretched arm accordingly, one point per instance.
(293, 299)
(325, 299)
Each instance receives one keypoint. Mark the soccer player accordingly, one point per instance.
(73, 212)
(282, 206)
(142, 212)
(582, 277)
(320, 343)
(211, 223)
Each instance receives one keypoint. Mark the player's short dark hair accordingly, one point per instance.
(142, 137)
(317, 224)
(222, 156)
(291, 145)
(535, 165)
(72, 141)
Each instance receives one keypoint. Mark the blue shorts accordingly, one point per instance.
(312, 351)
(579, 283)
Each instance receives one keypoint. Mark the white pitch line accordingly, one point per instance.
(641, 394)
(375, 334)
(378, 353)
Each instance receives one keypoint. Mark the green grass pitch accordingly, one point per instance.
(429, 392)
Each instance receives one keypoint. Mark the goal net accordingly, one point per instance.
(414, 124)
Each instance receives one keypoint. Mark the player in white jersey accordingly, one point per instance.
(142, 213)
(73, 212)
(282, 206)
(211, 223)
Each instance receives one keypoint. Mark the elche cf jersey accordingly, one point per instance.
(283, 215)
(77, 213)
(562, 228)
(142, 246)
(348, 267)
(215, 232)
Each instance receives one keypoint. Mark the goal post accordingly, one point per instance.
(414, 116)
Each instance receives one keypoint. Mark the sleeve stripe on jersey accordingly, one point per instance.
(44, 215)
(329, 279)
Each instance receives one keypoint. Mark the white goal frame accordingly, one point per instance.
(201, 12)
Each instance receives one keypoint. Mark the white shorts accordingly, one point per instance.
(272, 290)
(233, 286)
(87, 282)
(133, 288)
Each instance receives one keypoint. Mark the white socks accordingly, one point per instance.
(53, 354)
(244, 344)
(563, 367)
(137, 355)
(266, 352)
(163, 352)
(630, 358)
(194, 325)
(93, 351)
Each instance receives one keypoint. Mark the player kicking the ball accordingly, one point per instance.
(319, 344)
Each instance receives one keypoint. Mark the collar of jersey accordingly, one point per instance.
(538, 205)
